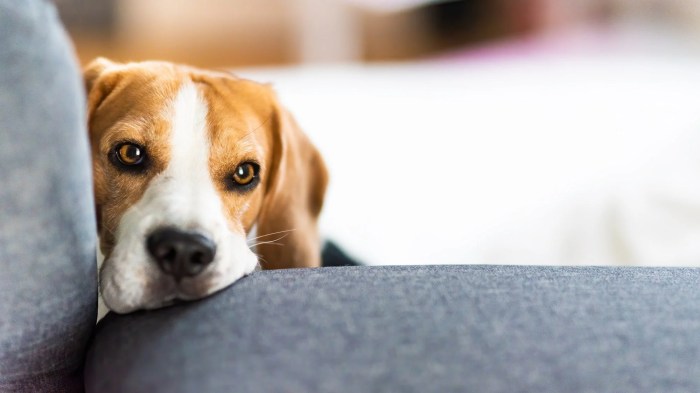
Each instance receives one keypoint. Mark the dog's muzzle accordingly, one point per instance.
(179, 253)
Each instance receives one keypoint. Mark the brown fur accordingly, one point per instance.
(246, 122)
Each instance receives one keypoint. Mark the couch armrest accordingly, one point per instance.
(415, 328)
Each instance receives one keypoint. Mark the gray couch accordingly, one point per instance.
(415, 329)
(354, 329)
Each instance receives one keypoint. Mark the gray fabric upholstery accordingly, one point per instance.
(47, 234)
(415, 329)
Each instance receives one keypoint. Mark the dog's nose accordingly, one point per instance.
(180, 254)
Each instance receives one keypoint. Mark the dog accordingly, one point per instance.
(188, 165)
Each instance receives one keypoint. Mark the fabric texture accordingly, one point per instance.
(415, 329)
(47, 234)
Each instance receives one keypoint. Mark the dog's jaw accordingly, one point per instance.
(182, 196)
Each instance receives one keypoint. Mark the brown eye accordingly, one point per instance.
(244, 174)
(244, 178)
(130, 154)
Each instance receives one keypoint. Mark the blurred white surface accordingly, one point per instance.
(546, 160)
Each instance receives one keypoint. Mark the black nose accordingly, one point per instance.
(180, 254)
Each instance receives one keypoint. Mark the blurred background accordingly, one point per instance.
(229, 33)
(472, 131)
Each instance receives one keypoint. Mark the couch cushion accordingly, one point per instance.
(48, 281)
(415, 329)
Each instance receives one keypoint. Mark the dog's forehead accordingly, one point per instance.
(236, 107)
(146, 91)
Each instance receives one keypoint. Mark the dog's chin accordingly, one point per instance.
(159, 290)
(177, 295)
(177, 299)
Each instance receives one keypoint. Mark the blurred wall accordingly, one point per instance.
(229, 33)
(204, 32)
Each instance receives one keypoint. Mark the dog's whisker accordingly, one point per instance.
(274, 240)
(271, 241)
(272, 233)
(260, 258)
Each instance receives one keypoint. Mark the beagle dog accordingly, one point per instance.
(187, 163)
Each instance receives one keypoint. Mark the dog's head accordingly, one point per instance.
(186, 162)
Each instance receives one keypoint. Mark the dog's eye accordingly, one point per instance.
(130, 154)
(244, 174)
(244, 177)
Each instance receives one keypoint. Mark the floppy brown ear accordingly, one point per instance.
(295, 189)
(98, 82)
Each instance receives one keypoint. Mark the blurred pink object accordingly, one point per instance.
(591, 40)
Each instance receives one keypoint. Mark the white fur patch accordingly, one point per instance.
(182, 196)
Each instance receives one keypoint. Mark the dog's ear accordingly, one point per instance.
(99, 81)
(295, 189)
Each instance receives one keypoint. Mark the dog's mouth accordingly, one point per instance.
(175, 268)
(177, 297)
